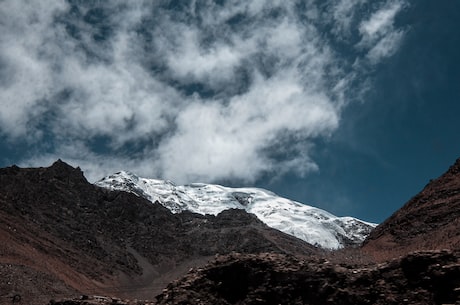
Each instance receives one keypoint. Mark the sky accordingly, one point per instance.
(347, 105)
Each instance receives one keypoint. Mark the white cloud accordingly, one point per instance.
(385, 47)
(121, 101)
(380, 22)
(27, 79)
(207, 92)
(343, 12)
(379, 35)
(225, 141)
(190, 62)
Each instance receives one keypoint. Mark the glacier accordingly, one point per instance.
(313, 225)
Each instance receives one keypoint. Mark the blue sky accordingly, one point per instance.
(348, 105)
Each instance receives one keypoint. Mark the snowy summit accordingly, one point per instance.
(308, 223)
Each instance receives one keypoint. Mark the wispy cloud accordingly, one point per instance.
(379, 34)
(385, 47)
(344, 13)
(197, 91)
(380, 22)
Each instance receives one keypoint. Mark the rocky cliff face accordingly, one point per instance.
(430, 220)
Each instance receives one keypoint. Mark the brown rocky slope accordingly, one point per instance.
(430, 220)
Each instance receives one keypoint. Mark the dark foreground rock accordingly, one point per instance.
(431, 277)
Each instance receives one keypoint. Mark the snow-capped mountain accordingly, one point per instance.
(313, 225)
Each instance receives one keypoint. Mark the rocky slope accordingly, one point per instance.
(60, 235)
(310, 224)
(430, 220)
(431, 277)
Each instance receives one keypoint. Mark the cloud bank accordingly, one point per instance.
(188, 91)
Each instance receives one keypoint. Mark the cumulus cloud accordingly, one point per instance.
(224, 141)
(196, 90)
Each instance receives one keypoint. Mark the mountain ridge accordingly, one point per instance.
(308, 223)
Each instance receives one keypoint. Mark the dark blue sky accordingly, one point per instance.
(348, 105)
(408, 130)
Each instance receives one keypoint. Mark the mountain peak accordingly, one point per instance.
(59, 164)
(455, 168)
(58, 171)
(63, 171)
(310, 224)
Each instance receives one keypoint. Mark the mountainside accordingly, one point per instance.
(430, 220)
(61, 236)
(310, 224)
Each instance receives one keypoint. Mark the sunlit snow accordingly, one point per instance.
(308, 223)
